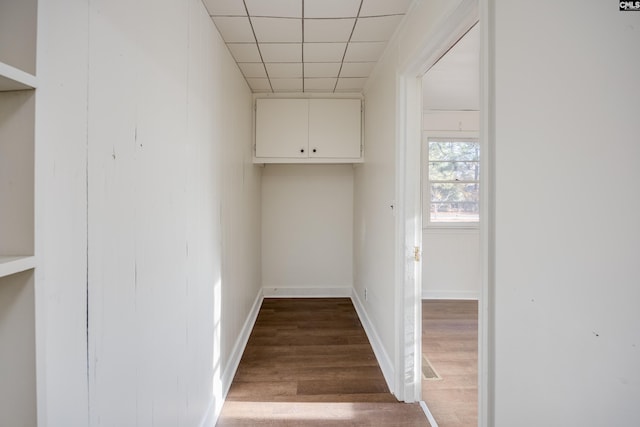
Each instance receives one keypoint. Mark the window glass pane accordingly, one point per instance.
(454, 202)
(454, 171)
(454, 150)
(454, 212)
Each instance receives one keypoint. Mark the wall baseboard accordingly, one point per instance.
(234, 361)
(428, 414)
(211, 417)
(307, 292)
(428, 294)
(376, 343)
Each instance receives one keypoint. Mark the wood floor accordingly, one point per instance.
(450, 342)
(308, 363)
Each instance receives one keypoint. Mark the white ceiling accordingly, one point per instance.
(306, 45)
(453, 83)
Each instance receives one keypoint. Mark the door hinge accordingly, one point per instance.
(416, 253)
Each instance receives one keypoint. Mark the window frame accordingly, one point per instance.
(471, 136)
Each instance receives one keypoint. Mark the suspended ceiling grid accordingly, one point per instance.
(306, 45)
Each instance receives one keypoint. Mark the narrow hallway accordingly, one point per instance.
(308, 362)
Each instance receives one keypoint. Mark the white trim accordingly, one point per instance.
(341, 292)
(486, 361)
(306, 160)
(386, 365)
(236, 354)
(428, 413)
(408, 235)
(211, 416)
(213, 413)
(408, 228)
(459, 295)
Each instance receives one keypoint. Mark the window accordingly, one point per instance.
(452, 193)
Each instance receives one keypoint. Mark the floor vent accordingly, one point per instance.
(428, 373)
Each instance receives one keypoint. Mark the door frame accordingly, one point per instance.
(408, 222)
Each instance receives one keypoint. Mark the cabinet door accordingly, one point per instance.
(282, 128)
(334, 128)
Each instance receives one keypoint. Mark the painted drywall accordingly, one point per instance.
(451, 256)
(240, 210)
(165, 98)
(566, 290)
(130, 147)
(307, 228)
(451, 264)
(375, 187)
(61, 213)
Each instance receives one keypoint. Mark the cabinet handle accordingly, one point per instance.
(315, 149)
(302, 150)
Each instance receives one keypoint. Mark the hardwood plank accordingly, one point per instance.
(308, 362)
(321, 414)
(450, 341)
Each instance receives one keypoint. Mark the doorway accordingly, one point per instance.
(451, 277)
(409, 215)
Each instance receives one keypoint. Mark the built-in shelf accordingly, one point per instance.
(18, 350)
(12, 78)
(16, 264)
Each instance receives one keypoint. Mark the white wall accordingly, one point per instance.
(240, 210)
(61, 213)
(307, 229)
(451, 256)
(375, 188)
(451, 264)
(132, 138)
(565, 117)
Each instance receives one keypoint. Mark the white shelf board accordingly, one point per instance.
(305, 160)
(16, 264)
(12, 78)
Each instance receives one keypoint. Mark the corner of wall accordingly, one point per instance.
(382, 357)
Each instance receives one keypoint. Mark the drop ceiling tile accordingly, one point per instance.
(252, 69)
(356, 69)
(319, 85)
(277, 30)
(328, 30)
(225, 7)
(244, 52)
(375, 29)
(287, 85)
(277, 8)
(350, 84)
(321, 69)
(259, 85)
(323, 52)
(282, 71)
(384, 7)
(234, 29)
(331, 8)
(281, 52)
(364, 51)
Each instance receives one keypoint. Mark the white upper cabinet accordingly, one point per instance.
(308, 131)
(334, 128)
(282, 128)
